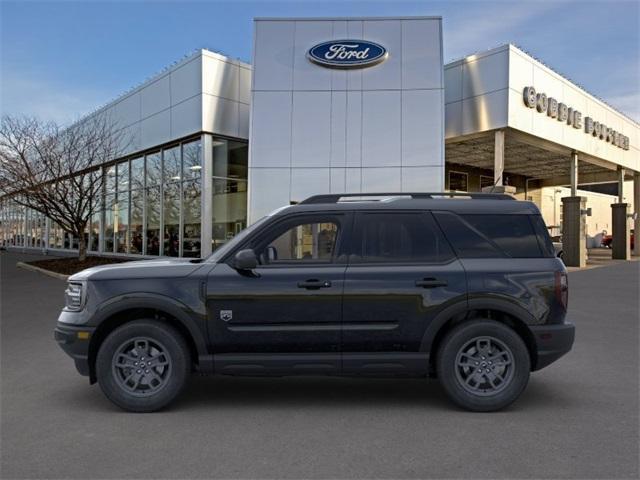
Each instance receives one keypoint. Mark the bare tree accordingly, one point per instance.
(55, 170)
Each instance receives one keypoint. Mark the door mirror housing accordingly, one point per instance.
(245, 260)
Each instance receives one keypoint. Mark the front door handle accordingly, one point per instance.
(314, 284)
(430, 283)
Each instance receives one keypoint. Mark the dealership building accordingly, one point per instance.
(334, 105)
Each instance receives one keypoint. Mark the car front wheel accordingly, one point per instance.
(483, 365)
(143, 365)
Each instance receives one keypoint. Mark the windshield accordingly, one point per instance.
(231, 244)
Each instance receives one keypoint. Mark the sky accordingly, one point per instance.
(62, 59)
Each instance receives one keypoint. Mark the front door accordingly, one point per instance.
(287, 314)
(401, 274)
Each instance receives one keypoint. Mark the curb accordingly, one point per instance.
(26, 266)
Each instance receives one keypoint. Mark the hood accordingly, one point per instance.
(162, 268)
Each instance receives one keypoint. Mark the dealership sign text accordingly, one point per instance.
(347, 54)
(570, 116)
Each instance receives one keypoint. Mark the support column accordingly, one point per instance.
(573, 168)
(206, 213)
(498, 159)
(620, 249)
(620, 185)
(636, 210)
(574, 227)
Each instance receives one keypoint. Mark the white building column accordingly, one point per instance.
(573, 173)
(620, 185)
(636, 210)
(206, 199)
(498, 159)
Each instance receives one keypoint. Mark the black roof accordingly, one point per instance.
(478, 203)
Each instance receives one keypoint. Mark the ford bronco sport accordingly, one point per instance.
(466, 288)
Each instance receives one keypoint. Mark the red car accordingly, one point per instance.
(607, 240)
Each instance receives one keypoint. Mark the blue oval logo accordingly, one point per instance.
(347, 54)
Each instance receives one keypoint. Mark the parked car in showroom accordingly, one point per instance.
(463, 287)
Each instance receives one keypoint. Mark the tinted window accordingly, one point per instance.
(306, 241)
(466, 240)
(399, 237)
(543, 236)
(514, 234)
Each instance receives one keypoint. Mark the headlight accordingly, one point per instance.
(74, 297)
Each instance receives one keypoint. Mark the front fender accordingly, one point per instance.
(195, 323)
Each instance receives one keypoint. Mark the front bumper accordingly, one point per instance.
(74, 340)
(552, 342)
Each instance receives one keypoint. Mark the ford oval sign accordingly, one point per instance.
(347, 54)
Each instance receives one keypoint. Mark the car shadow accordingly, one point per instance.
(236, 393)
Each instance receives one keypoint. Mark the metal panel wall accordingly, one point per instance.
(317, 130)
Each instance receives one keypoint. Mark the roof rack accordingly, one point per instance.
(355, 197)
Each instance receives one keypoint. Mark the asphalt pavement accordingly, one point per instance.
(577, 418)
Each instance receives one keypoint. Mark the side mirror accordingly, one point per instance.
(245, 260)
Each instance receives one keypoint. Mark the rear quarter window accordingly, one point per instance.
(487, 236)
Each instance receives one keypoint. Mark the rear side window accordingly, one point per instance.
(546, 245)
(514, 234)
(398, 237)
(467, 241)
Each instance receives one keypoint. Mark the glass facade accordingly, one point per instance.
(151, 205)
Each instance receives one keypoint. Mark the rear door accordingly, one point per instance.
(401, 274)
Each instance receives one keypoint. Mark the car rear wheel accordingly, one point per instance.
(143, 365)
(483, 365)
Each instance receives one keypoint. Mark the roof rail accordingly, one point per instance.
(336, 197)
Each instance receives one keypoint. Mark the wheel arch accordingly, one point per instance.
(501, 310)
(121, 311)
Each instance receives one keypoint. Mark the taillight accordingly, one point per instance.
(562, 288)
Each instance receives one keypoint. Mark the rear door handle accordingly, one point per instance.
(314, 284)
(430, 283)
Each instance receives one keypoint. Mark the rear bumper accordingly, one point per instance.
(552, 342)
(75, 343)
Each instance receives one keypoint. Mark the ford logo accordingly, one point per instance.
(347, 54)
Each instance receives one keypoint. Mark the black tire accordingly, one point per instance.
(121, 365)
(474, 357)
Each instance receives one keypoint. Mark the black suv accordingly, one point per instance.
(463, 287)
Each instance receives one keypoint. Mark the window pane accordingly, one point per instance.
(123, 176)
(153, 221)
(467, 241)
(95, 231)
(172, 167)
(110, 205)
(110, 179)
(514, 234)
(546, 245)
(172, 220)
(458, 182)
(192, 219)
(306, 242)
(136, 226)
(399, 237)
(121, 217)
(192, 160)
(229, 190)
(137, 173)
(154, 169)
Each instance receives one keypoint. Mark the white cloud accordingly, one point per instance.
(26, 95)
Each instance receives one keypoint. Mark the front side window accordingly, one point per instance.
(302, 242)
(398, 237)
